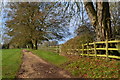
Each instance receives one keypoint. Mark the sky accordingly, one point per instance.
(2, 21)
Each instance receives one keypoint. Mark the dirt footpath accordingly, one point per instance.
(35, 67)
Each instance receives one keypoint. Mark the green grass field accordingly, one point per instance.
(83, 67)
(11, 60)
(51, 57)
(94, 68)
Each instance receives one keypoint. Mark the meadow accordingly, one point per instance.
(11, 60)
(49, 56)
(84, 67)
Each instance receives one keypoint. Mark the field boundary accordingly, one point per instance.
(92, 47)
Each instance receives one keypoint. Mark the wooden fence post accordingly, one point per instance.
(82, 49)
(59, 49)
(88, 49)
(95, 49)
(106, 48)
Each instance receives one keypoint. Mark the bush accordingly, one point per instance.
(75, 43)
(5, 46)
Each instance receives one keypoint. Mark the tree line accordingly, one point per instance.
(30, 23)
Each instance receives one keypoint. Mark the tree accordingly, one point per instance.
(86, 34)
(100, 19)
(115, 19)
(34, 22)
(26, 24)
(78, 14)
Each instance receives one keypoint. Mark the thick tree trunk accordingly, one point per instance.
(103, 26)
(100, 19)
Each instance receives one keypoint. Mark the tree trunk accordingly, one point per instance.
(103, 26)
(91, 11)
(100, 19)
(34, 42)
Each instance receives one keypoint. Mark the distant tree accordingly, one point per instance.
(25, 24)
(84, 29)
(77, 11)
(49, 43)
(34, 22)
(29, 23)
(5, 46)
(86, 34)
(0, 46)
(115, 19)
(57, 21)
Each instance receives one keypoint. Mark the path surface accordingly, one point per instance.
(35, 67)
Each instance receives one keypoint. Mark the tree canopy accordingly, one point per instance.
(31, 23)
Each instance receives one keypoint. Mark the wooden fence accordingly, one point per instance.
(86, 49)
(56, 49)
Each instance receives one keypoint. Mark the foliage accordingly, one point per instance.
(34, 22)
(5, 46)
(84, 30)
(85, 35)
(116, 32)
(11, 60)
(114, 9)
(49, 43)
(1, 46)
(25, 24)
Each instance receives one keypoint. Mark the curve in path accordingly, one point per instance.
(35, 67)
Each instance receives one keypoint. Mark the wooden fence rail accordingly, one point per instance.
(56, 49)
(95, 49)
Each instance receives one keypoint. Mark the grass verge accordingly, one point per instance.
(51, 57)
(94, 68)
(11, 60)
(83, 67)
